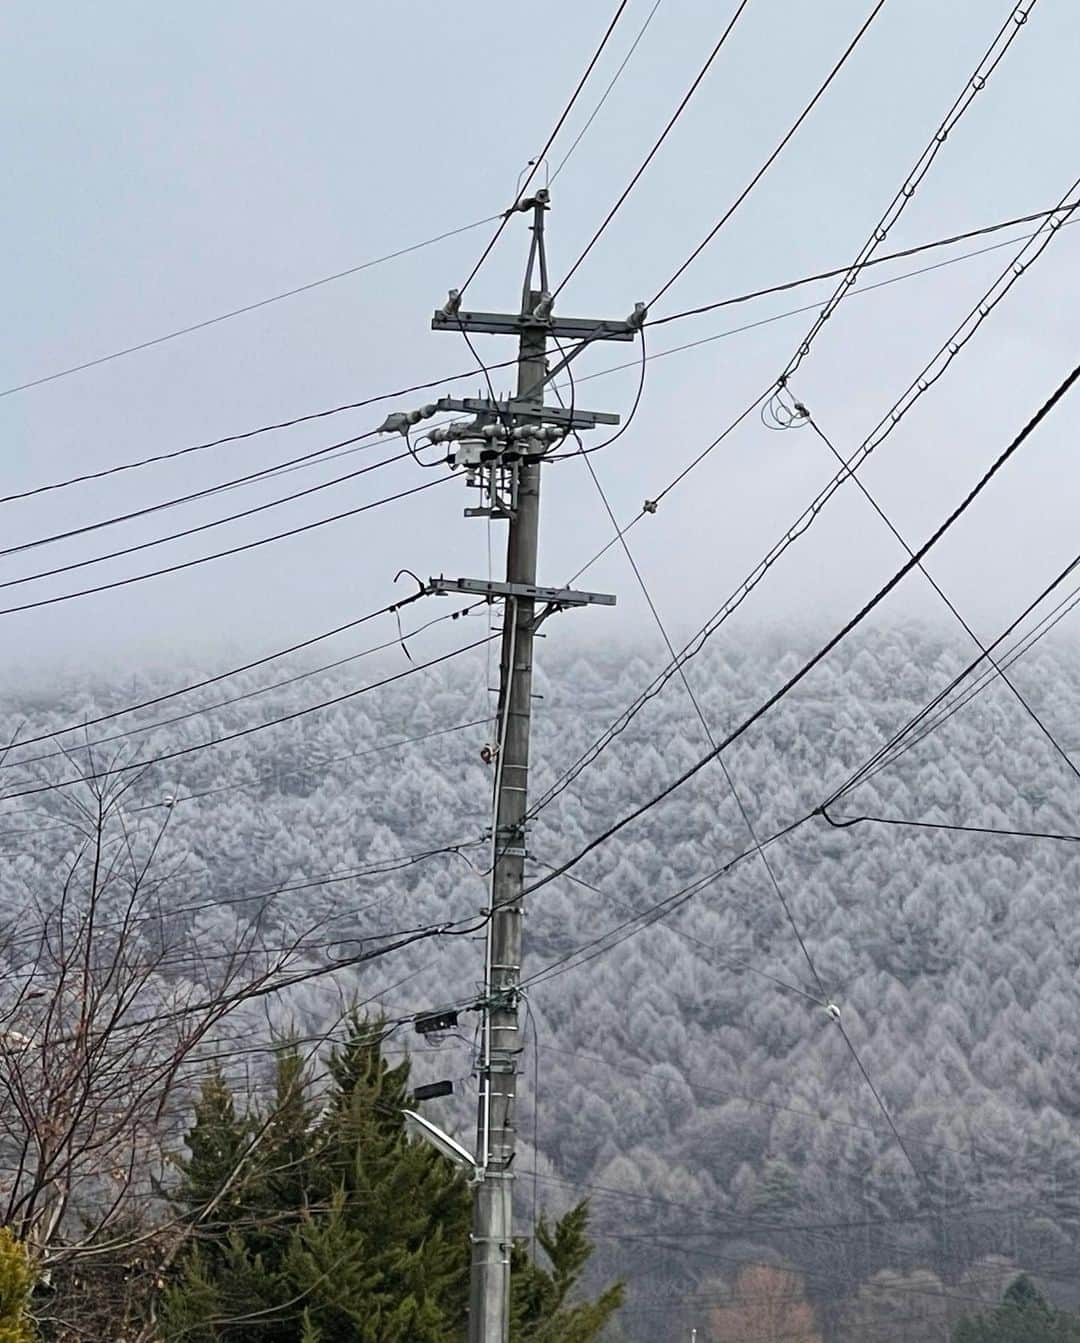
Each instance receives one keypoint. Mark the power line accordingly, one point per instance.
(1014, 689)
(823, 652)
(232, 550)
(787, 137)
(931, 372)
(202, 709)
(180, 752)
(389, 609)
(604, 96)
(186, 531)
(656, 147)
(237, 312)
(507, 363)
(534, 164)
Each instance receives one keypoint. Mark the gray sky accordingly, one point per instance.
(165, 164)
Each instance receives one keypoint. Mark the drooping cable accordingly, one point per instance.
(183, 751)
(833, 642)
(237, 312)
(232, 550)
(656, 147)
(1021, 699)
(789, 134)
(534, 165)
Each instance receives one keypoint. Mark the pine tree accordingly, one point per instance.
(541, 1309)
(341, 1229)
(1024, 1316)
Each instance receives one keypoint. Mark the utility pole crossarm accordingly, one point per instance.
(502, 450)
(507, 324)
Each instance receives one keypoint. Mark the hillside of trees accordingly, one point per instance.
(690, 1080)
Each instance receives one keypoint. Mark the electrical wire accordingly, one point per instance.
(534, 164)
(507, 363)
(656, 147)
(183, 751)
(317, 456)
(237, 312)
(196, 530)
(240, 698)
(798, 676)
(1013, 688)
(390, 609)
(931, 372)
(240, 437)
(595, 112)
(222, 554)
(787, 137)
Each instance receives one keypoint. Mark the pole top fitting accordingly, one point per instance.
(543, 305)
(541, 199)
(452, 304)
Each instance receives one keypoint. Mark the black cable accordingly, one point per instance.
(881, 755)
(186, 531)
(789, 134)
(247, 433)
(583, 451)
(603, 99)
(535, 163)
(174, 501)
(233, 699)
(243, 732)
(237, 312)
(222, 554)
(823, 652)
(866, 265)
(656, 147)
(298, 647)
(1015, 690)
(846, 822)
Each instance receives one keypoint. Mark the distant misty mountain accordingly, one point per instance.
(689, 1071)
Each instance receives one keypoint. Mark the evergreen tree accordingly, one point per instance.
(541, 1308)
(1024, 1316)
(340, 1229)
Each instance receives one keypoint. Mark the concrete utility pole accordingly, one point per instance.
(502, 449)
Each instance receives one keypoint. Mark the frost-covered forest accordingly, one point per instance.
(689, 1074)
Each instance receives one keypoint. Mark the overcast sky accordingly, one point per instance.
(164, 164)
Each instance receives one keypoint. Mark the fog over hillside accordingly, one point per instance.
(689, 1072)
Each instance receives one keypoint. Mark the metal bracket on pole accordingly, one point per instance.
(514, 324)
(524, 410)
(483, 587)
